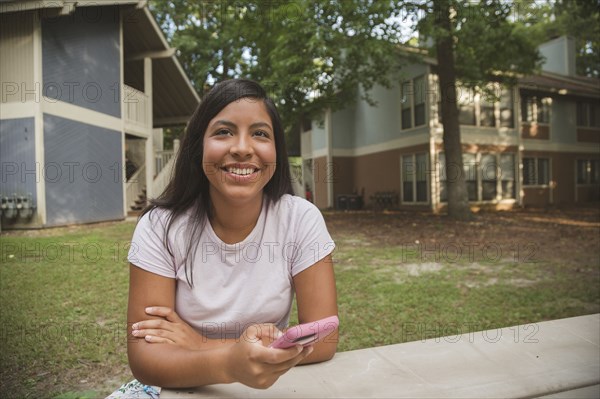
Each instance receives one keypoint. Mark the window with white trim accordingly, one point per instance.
(413, 103)
(419, 104)
(535, 109)
(588, 114)
(536, 171)
(470, 173)
(485, 109)
(414, 178)
(488, 176)
(466, 106)
(506, 108)
(588, 171)
(506, 174)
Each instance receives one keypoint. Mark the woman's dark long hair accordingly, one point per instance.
(188, 189)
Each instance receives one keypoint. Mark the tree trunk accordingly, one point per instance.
(458, 201)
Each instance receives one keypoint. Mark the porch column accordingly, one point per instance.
(149, 123)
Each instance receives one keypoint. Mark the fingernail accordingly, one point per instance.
(135, 326)
(148, 337)
(149, 310)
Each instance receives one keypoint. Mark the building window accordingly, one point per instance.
(535, 109)
(466, 106)
(536, 171)
(413, 103)
(470, 173)
(414, 178)
(419, 110)
(488, 176)
(588, 171)
(507, 176)
(506, 108)
(479, 108)
(406, 105)
(588, 114)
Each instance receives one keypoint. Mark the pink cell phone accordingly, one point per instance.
(306, 334)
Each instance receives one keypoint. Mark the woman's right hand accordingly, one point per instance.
(258, 366)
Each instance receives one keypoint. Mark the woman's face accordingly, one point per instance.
(239, 152)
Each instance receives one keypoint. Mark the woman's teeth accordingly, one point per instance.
(241, 171)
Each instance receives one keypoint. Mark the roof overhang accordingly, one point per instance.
(174, 97)
(561, 84)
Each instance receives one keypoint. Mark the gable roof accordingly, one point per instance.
(174, 97)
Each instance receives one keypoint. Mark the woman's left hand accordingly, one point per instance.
(170, 329)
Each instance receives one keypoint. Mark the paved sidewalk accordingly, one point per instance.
(553, 359)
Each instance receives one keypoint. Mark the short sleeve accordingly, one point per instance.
(148, 250)
(313, 242)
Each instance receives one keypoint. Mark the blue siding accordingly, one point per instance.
(380, 123)
(82, 164)
(343, 128)
(319, 135)
(563, 128)
(17, 157)
(81, 59)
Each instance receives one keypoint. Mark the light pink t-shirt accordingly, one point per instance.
(236, 285)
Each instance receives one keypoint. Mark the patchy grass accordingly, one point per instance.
(400, 277)
(63, 294)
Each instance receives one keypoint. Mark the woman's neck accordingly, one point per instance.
(233, 222)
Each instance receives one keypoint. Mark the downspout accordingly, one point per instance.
(329, 165)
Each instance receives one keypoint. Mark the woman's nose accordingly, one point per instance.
(242, 146)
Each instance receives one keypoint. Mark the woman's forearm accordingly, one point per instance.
(171, 366)
(323, 350)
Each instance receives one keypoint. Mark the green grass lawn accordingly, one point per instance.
(63, 299)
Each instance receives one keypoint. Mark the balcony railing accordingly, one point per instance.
(161, 159)
(136, 107)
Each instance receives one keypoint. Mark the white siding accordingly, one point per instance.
(16, 57)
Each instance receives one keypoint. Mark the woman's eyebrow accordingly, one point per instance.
(224, 122)
(261, 124)
(233, 125)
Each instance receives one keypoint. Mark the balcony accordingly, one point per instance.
(137, 111)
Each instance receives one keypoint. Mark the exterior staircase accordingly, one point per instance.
(139, 204)
(136, 193)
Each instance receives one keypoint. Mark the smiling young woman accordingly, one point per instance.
(217, 258)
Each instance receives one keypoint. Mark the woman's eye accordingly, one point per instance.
(261, 133)
(222, 132)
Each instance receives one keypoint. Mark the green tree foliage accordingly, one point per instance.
(314, 54)
(310, 54)
(580, 19)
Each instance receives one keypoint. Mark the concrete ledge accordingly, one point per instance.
(559, 358)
